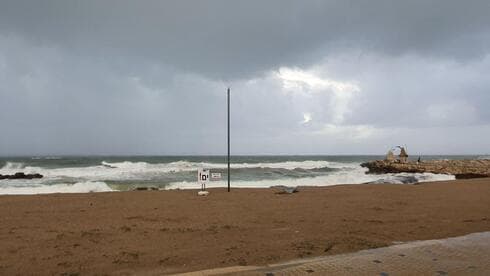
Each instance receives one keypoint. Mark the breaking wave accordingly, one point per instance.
(338, 178)
(126, 175)
(186, 165)
(142, 170)
(12, 166)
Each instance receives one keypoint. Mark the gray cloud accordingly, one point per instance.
(318, 77)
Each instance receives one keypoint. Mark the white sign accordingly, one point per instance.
(202, 176)
(215, 176)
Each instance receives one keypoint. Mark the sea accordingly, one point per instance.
(84, 174)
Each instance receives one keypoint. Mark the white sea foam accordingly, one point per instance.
(91, 179)
(187, 166)
(12, 166)
(21, 188)
(337, 178)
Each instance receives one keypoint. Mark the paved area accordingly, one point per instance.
(466, 255)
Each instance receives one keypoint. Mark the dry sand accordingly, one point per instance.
(177, 231)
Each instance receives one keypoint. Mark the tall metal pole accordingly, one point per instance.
(228, 98)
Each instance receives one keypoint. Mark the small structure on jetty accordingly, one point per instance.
(402, 157)
(390, 156)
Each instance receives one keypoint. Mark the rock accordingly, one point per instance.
(202, 193)
(32, 176)
(21, 175)
(281, 189)
(396, 179)
(145, 189)
(460, 168)
(470, 175)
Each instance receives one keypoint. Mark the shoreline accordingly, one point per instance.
(96, 174)
(176, 231)
(85, 187)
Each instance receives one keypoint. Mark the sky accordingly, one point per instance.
(307, 77)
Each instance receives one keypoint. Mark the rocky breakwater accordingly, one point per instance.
(462, 169)
(20, 175)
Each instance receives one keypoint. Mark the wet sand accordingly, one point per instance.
(177, 231)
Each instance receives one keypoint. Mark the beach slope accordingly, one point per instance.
(177, 231)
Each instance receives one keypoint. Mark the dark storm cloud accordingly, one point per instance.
(148, 77)
(224, 39)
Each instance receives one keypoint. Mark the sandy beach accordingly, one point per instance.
(177, 231)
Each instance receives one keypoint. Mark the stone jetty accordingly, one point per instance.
(20, 175)
(462, 169)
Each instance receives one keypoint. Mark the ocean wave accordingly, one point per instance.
(142, 170)
(12, 166)
(46, 158)
(334, 177)
(186, 165)
(338, 178)
(80, 187)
